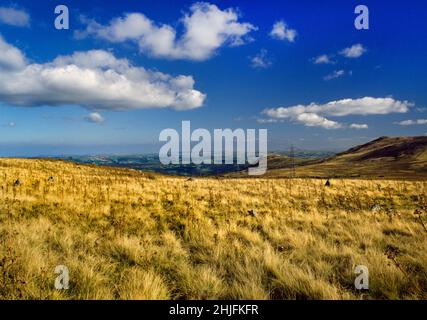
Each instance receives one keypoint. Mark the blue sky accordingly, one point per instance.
(249, 68)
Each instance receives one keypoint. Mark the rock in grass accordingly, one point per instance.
(17, 183)
(252, 213)
(376, 208)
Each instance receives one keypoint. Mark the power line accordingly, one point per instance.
(292, 156)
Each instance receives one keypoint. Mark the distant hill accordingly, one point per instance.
(386, 147)
(385, 157)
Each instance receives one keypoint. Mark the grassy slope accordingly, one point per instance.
(395, 158)
(125, 234)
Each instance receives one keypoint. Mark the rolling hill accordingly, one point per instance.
(385, 157)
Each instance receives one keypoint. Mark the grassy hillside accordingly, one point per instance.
(385, 157)
(124, 234)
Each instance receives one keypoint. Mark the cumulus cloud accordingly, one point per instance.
(94, 117)
(11, 58)
(261, 60)
(314, 120)
(14, 17)
(281, 31)
(355, 51)
(315, 114)
(359, 126)
(412, 122)
(94, 79)
(206, 28)
(334, 75)
(323, 59)
(345, 107)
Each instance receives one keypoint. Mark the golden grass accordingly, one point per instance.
(124, 234)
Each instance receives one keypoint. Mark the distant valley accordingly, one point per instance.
(385, 157)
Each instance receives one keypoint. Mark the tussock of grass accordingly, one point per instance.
(124, 234)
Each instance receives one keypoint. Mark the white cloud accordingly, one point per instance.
(95, 80)
(261, 60)
(314, 120)
(10, 57)
(359, 126)
(281, 31)
(314, 114)
(334, 75)
(95, 117)
(355, 51)
(345, 107)
(323, 59)
(206, 29)
(14, 17)
(412, 122)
